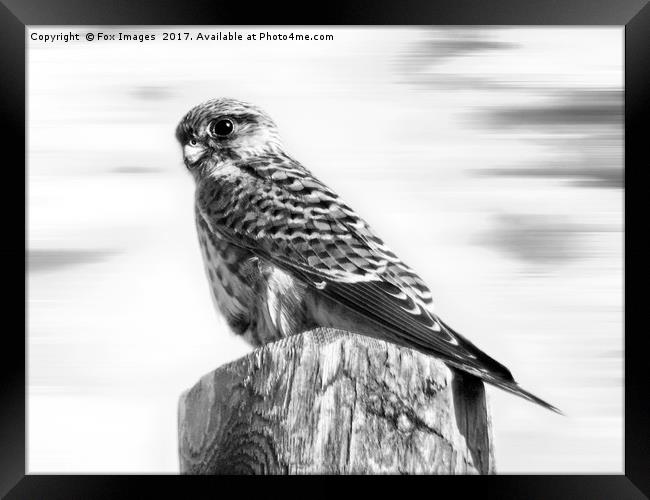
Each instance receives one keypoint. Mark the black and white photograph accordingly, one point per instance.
(328, 248)
(360, 250)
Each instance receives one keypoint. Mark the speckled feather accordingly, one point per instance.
(284, 253)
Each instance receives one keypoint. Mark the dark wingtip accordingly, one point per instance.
(496, 369)
(498, 374)
(549, 406)
(519, 391)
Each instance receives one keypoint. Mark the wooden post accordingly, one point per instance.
(329, 401)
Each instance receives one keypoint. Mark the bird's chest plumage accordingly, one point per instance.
(258, 301)
(232, 277)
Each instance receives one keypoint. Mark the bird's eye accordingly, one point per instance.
(193, 142)
(222, 128)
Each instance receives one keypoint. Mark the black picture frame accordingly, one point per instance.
(15, 15)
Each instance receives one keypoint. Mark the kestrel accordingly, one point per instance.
(284, 254)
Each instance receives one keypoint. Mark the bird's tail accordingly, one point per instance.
(494, 373)
(514, 388)
(506, 384)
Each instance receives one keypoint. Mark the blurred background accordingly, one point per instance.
(491, 160)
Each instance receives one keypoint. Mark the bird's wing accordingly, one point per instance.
(280, 211)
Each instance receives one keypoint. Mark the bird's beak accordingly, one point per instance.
(192, 154)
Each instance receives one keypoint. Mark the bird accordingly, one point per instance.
(284, 253)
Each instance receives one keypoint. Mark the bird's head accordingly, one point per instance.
(220, 130)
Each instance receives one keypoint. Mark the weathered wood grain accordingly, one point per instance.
(329, 401)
